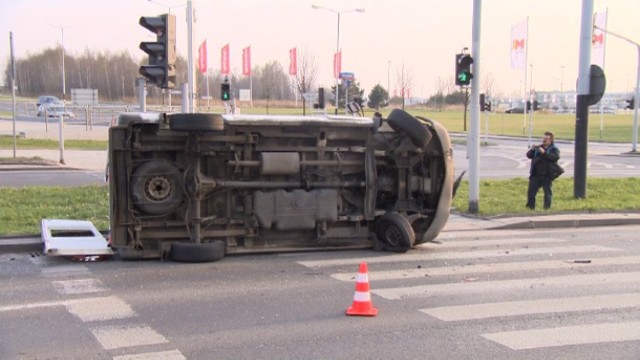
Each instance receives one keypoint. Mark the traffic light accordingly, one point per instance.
(535, 105)
(528, 105)
(484, 104)
(225, 92)
(161, 70)
(463, 69)
(630, 104)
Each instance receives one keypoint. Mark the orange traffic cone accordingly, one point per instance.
(362, 305)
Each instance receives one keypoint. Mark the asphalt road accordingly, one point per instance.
(502, 159)
(542, 294)
(506, 158)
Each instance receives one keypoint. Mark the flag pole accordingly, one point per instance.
(524, 87)
(604, 55)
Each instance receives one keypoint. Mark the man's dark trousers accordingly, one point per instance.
(535, 183)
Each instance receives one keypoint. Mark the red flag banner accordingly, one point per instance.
(519, 45)
(246, 61)
(598, 38)
(224, 60)
(202, 57)
(293, 62)
(337, 64)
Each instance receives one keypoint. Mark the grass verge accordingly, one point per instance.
(508, 197)
(21, 209)
(6, 142)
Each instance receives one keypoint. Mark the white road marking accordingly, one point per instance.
(80, 286)
(426, 255)
(508, 285)
(66, 271)
(100, 309)
(115, 337)
(491, 242)
(162, 355)
(489, 268)
(543, 306)
(568, 335)
(87, 309)
(32, 306)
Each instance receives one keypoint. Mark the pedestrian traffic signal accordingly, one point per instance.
(630, 104)
(484, 104)
(463, 69)
(161, 70)
(528, 105)
(225, 92)
(536, 105)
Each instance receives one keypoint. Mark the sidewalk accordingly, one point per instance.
(74, 159)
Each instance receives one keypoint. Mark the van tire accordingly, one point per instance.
(157, 188)
(402, 121)
(197, 253)
(196, 122)
(394, 232)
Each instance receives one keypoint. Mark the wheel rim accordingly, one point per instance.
(158, 188)
(393, 236)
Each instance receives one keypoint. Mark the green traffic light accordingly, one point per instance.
(462, 77)
(225, 96)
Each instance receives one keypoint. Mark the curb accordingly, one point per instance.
(33, 243)
(23, 167)
(576, 223)
(21, 245)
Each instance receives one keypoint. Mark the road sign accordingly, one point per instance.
(347, 76)
(245, 94)
(84, 97)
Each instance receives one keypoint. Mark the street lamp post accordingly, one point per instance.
(636, 96)
(316, 7)
(64, 87)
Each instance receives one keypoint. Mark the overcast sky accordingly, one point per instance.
(423, 35)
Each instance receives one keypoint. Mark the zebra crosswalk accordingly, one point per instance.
(500, 282)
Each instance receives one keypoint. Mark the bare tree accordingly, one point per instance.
(488, 84)
(442, 86)
(404, 81)
(305, 78)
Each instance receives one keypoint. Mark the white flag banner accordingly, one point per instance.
(598, 38)
(519, 45)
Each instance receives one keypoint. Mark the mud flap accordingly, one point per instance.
(73, 237)
(457, 183)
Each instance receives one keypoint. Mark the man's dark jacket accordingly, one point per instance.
(540, 161)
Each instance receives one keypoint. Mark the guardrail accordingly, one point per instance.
(88, 115)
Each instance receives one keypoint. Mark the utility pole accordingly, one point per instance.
(582, 105)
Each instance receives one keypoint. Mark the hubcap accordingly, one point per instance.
(158, 188)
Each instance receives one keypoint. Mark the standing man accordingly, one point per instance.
(540, 176)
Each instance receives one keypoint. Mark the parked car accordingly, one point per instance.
(54, 110)
(194, 187)
(515, 110)
(48, 99)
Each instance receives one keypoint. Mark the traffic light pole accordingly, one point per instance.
(142, 94)
(636, 95)
(582, 105)
(473, 139)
